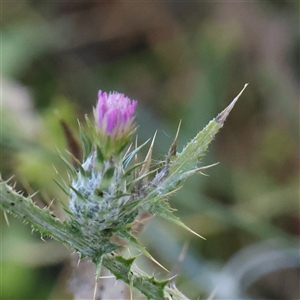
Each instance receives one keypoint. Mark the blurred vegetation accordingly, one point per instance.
(180, 60)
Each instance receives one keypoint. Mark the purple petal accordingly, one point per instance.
(111, 121)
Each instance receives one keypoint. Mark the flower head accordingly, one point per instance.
(114, 116)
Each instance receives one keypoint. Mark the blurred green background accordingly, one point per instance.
(181, 61)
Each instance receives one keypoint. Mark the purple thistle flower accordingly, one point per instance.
(114, 116)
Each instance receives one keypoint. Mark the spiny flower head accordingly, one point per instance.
(114, 115)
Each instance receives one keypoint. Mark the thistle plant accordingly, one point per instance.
(109, 188)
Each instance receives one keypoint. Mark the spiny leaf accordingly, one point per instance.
(190, 156)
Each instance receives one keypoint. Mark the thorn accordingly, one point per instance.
(211, 296)
(144, 176)
(6, 218)
(144, 220)
(35, 193)
(183, 252)
(172, 192)
(45, 198)
(107, 277)
(198, 170)
(176, 269)
(173, 148)
(203, 174)
(9, 179)
(135, 173)
(128, 150)
(160, 265)
(195, 233)
(55, 169)
(127, 248)
(135, 232)
(172, 277)
(206, 167)
(147, 161)
(97, 275)
(221, 117)
(51, 203)
(95, 289)
(75, 160)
